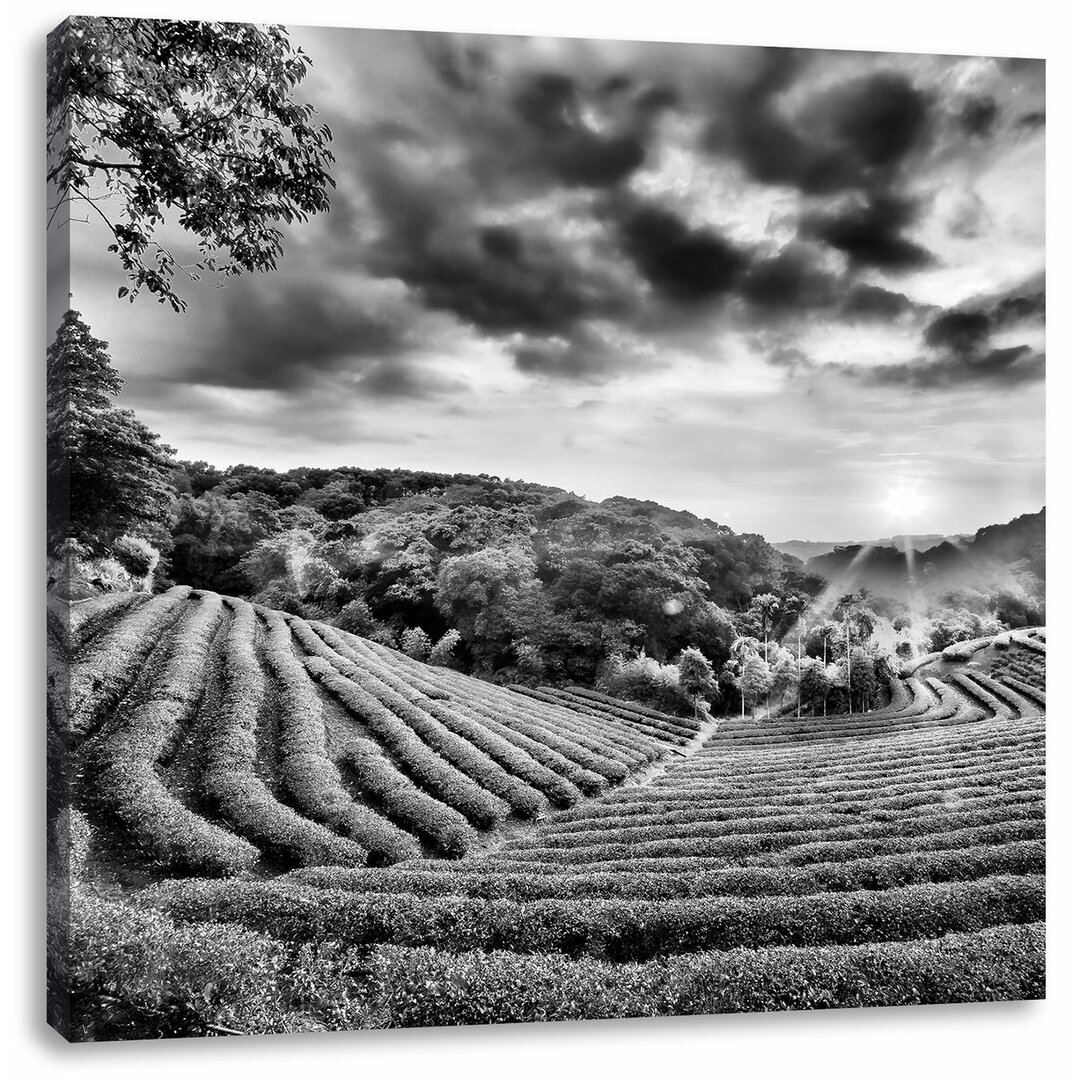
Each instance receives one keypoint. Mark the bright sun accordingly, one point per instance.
(903, 501)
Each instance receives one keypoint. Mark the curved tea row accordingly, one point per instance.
(216, 738)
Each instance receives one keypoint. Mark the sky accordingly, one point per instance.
(798, 292)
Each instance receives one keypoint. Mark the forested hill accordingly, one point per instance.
(804, 550)
(1017, 547)
(528, 581)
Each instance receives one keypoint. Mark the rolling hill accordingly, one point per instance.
(488, 854)
(804, 550)
(991, 559)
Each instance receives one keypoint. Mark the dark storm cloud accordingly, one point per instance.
(551, 105)
(502, 242)
(280, 335)
(791, 280)
(683, 264)
(656, 99)
(1020, 307)
(960, 332)
(978, 116)
(995, 368)
(575, 361)
(498, 183)
(460, 63)
(965, 332)
(870, 233)
(1033, 120)
(873, 302)
(879, 118)
(401, 379)
(497, 278)
(851, 136)
(961, 348)
(499, 289)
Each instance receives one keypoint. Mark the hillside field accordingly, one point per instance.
(388, 843)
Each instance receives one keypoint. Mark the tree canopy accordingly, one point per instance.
(154, 117)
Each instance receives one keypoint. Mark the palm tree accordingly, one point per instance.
(741, 647)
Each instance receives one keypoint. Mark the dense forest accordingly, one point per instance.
(510, 580)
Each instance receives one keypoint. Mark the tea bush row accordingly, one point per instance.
(413, 756)
(230, 780)
(309, 775)
(620, 930)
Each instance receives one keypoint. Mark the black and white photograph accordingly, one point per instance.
(540, 528)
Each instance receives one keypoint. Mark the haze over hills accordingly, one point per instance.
(809, 549)
(998, 556)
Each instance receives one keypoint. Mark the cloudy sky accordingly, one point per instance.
(799, 292)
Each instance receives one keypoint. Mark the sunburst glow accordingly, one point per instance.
(903, 501)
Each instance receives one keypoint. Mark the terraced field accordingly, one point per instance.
(500, 855)
(218, 738)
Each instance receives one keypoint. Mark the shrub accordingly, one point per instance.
(443, 651)
(127, 783)
(135, 974)
(416, 643)
(138, 558)
(619, 930)
(879, 872)
(281, 596)
(643, 679)
(421, 987)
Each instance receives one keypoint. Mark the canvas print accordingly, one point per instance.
(539, 529)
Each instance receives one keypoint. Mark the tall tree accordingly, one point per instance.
(107, 473)
(863, 675)
(153, 118)
(696, 675)
(784, 673)
(755, 679)
(813, 682)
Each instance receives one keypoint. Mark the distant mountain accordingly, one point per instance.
(809, 549)
(992, 557)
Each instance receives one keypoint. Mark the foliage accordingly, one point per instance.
(152, 121)
(424, 987)
(955, 626)
(137, 975)
(442, 652)
(130, 788)
(137, 557)
(813, 681)
(621, 930)
(882, 857)
(212, 535)
(755, 679)
(108, 474)
(569, 582)
(416, 643)
(696, 677)
(641, 678)
(487, 595)
(863, 676)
